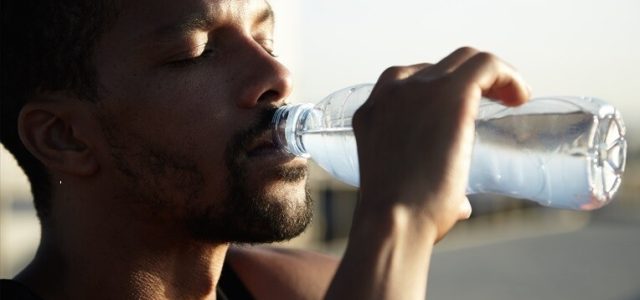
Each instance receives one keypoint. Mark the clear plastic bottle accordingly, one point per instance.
(565, 152)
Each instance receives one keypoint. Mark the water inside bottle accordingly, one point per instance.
(555, 159)
(335, 150)
(541, 157)
(567, 160)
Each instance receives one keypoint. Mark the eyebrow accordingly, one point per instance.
(203, 21)
(265, 16)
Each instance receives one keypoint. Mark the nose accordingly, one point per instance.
(266, 81)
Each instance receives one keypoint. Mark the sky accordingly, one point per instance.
(561, 47)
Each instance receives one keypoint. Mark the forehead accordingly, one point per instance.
(141, 19)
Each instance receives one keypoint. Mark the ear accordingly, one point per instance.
(51, 129)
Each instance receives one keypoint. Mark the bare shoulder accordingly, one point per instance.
(274, 273)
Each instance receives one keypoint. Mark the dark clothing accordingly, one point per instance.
(232, 286)
(229, 288)
(13, 290)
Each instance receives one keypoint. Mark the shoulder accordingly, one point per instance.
(274, 273)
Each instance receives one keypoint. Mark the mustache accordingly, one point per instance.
(239, 143)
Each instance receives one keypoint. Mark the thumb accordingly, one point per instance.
(465, 209)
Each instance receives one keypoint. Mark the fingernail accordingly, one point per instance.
(465, 209)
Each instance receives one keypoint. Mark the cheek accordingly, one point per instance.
(186, 134)
(176, 113)
(180, 115)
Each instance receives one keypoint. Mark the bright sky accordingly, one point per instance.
(562, 47)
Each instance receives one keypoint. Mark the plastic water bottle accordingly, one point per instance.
(565, 152)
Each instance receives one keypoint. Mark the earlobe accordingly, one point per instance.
(47, 132)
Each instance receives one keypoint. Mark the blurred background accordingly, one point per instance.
(509, 249)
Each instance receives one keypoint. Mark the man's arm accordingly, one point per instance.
(415, 136)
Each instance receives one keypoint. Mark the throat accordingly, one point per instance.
(189, 274)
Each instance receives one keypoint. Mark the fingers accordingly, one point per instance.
(395, 74)
(479, 73)
(452, 61)
(400, 73)
(494, 79)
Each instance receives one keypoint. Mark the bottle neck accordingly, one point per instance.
(287, 124)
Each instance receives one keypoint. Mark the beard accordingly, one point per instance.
(248, 214)
(169, 185)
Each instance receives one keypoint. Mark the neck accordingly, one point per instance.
(124, 263)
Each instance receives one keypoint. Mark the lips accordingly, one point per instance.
(264, 153)
(263, 145)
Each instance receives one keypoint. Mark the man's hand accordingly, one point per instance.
(415, 133)
(415, 137)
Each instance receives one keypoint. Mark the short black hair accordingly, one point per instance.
(46, 45)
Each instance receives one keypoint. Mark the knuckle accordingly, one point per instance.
(360, 117)
(466, 50)
(393, 73)
(384, 88)
(485, 57)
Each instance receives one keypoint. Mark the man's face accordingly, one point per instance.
(187, 89)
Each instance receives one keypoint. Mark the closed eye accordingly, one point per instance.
(190, 57)
(267, 45)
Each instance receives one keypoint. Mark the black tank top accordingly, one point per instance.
(230, 287)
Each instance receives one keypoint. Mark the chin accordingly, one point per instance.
(265, 204)
(281, 189)
(283, 182)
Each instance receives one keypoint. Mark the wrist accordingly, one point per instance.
(389, 252)
(394, 222)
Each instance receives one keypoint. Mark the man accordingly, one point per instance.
(143, 127)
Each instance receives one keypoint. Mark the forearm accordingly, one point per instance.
(387, 257)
